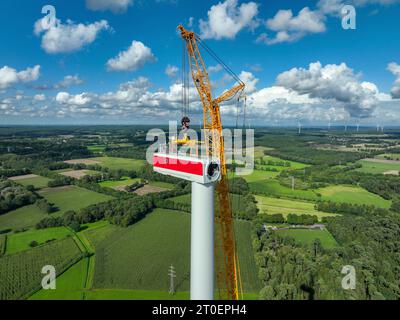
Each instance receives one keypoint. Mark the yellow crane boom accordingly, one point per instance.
(227, 273)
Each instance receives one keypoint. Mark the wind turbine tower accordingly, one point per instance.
(203, 173)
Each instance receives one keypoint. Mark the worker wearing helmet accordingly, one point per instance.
(185, 122)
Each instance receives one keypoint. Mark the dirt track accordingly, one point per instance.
(392, 172)
(148, 189)
(25, 176)
(81, 161)
(77, 174)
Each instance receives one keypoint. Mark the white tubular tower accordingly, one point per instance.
(202, 242)
(203, 173)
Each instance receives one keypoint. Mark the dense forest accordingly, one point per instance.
(369, 243)
(13, 196)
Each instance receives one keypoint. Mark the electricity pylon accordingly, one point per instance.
(172, 275)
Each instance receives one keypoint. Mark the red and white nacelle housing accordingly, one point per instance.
(195, 169)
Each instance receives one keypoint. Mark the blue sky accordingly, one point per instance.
(106, 61)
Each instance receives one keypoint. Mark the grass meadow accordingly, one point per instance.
(38, 182)
(268, 205)
(377, 167)
(20, 241)
(307, 236)
(73, 197)
(274, 188)
(354, 195)
(125, 181)
(120, 163)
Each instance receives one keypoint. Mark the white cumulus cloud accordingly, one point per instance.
(69, 81)
(287, 27)
(290, 28)
(68, 37)
(336, 84)
(395, 69)
(249, 80)
(131, 59)
(171, 71)
(10, 76)
(226, 19)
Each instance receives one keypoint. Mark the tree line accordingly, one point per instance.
(294, 219)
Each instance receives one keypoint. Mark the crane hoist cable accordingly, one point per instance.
(185, 83)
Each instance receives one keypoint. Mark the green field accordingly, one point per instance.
(161, 184)
(143, 253)
(259, 151)
(38, 182)
(20, 273)
(306, 236)
(20, 241)
(125, 181)
(94, 225)
(354, 195)
(69, 285)
(73, 198)
(377, 167)
(3, 243)
(120, 163)
(95, 235)
(24, 217)
(268, 205)
(259, 175)
(274, 188)
(65, 198)
(293, 164)
(97, 148)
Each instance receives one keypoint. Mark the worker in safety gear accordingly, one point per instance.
(185, 122)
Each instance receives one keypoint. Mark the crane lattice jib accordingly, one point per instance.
(227, 280)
